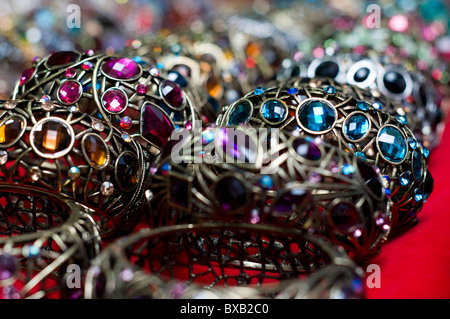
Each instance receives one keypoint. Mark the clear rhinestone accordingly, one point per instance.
(9, 105)
(107, 189)
(98, 126)
(35, 173)
(3, 157)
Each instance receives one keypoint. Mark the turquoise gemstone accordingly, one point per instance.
(274, 111)
(426, 152)
(240, 114)
(356, 127)
(266, 182)
(361, 155)
(418, 194)
(292, 91)
(259, 90)
(330, 89)
(405, 179)
(417, 165)
(317, 116)
(412, 142)
(392, 144)
(348, 169)
(402, 119)
(364, 106)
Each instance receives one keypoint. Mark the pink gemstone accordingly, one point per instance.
(121, 69)
(141, 89)
(26, 75)
(70, 72)
(156, 127)
(90, 52)
(172, 93)
(62, 57)
(398, 23)
(125, 122)
(87, 65)
(69, 92)
(114, 100)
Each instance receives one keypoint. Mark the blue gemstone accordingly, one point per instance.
(405, 178)
(259, 90)
(317, 116)
(292, 91)
(426, 152)
(356, 127)
(348, 169)
(364, 106)
(240, 113)
(412, 142)
(392, 144)
(418, 195)
(208, 137)
(387, 191)
(387, 178)
(378, 106)
(266, 182)
(417, 165)
(274, 111)
(402, 119)
(361, 155)
(330, 89)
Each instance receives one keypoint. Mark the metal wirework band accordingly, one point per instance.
(222, 261)
(36, 255)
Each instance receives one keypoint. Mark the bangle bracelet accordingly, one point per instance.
(210, 260)
(139, 102)
(353, 125)
(413, 89)
(296, 182)
(44, 240)
(47, 147)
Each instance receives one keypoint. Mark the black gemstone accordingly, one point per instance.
(423, 95)
(328, 69)
(230, 193)
(370, 178)
(394, 82)
(428, 187)
(344, 216)
(361, 75)
(127, 172)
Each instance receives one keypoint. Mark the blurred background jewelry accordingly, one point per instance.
(45, 239)
(222, 261)
(48, 147)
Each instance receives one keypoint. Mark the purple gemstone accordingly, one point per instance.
(141, 89)
(344, 216)
(306, 149)
(61, 58)
(230, 193)
(290, 201)
(69, 92)
(114, 100)
(172, 94)
(8, 266)
(26, 76)
(156, 126)
(121, 69)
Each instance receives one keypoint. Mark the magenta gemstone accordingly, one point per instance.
(121, 69)
(61, 58)
(69, 92)
(114, 100)
(26, 75)
(172, 94)
(156, 127)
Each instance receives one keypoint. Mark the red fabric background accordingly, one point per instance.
(416, 264)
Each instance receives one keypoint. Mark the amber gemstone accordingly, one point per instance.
(11, 129)
(96, 151)
(127, 171)
(52, 138)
